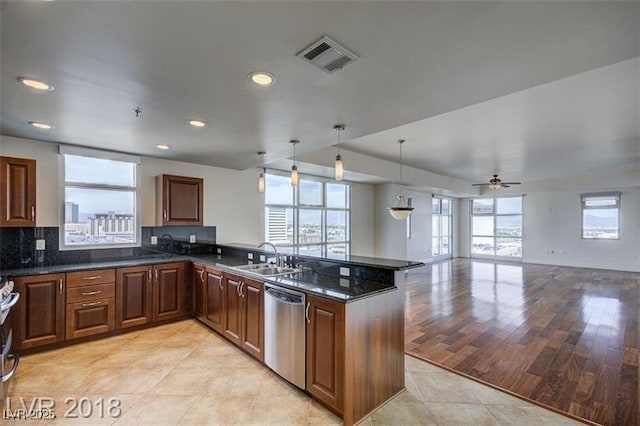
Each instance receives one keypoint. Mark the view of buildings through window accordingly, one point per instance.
(441, 220)
(496, 226)
(311, 219)
(99, 202)
(600, 215)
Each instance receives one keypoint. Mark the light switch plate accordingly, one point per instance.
(344, 282)
(345, 272)
(154, 240)
(192, 238)
(219, 251)
(250, 256)
(263, 258)
(40, 244)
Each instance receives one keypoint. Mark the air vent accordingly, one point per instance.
(327, 55)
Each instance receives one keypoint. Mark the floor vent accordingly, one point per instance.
(327, 55)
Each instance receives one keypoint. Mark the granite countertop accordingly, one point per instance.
(376, 262)
(330, 286)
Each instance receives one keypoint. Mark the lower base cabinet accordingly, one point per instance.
(169, 292)
(133, 296)
(325, 351)
(89, 318)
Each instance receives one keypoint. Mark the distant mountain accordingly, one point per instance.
(599, 221)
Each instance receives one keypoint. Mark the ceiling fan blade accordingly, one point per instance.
(505, 185)
(479, 184)
(511, 183)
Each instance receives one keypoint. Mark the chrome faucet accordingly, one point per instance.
(279, 259)
(162, 237)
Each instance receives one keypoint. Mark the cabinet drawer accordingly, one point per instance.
(95, 276)
(90, 292)
(88, 318)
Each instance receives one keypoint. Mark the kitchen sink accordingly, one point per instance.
(266, 270)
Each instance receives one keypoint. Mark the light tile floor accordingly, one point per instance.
(182, 373)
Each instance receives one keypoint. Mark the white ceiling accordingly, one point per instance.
(419, 61)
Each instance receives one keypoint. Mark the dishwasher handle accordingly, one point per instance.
(285, 297)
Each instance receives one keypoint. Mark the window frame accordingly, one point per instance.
(616, 195)
(296, 206)
(64, 150)
(449, 235)
(494, 214)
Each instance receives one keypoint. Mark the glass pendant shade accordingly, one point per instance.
(401, 210)
(339, 168)
(261, 182)
(294, 175)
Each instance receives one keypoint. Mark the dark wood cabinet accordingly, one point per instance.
(90, 302)
(40, 313)
(233, 305)
(134, 301)
(214, 308)
(198, 285)
(17, 192)
(168, 291)
(252, 318)
(325, 351)
(179, 200)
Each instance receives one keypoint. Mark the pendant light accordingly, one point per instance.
(339, 165)
(401, 209)
(261, 178)
(294, 168)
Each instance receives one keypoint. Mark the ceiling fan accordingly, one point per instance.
(495, 183)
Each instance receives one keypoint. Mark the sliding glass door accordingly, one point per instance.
(441, 219)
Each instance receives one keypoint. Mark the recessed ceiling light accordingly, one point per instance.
(41, 125)
(196, 123)
(262, 78)
(36, 84)
(163, 147)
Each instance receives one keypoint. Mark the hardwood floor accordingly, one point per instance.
(561, 336)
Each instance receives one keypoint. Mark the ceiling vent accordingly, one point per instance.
(327, 55)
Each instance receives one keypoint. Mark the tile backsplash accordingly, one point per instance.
(18, 246)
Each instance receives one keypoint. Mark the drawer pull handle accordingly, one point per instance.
(91, 293)
(84, 305)
(95, 277)
(306, 313)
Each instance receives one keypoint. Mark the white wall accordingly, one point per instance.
(390, 234)
(553, 235)
(231, 200)
(419, 245)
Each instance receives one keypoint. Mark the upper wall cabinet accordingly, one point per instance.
(178, 200)
(17, 192)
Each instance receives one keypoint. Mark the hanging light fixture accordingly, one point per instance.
(294, 168)
(339, 165)
(401, 209)
(261, 178)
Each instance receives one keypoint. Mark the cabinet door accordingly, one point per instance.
(39, 316)
(133, 296)
(168, 291)
(253, 318)
(181, 200)
(17, 192)
(215, 306)
(325, 351)
(198, 285)
(89, 318)
(233, 304)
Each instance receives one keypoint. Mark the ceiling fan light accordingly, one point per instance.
(339, 168)
(494, 185)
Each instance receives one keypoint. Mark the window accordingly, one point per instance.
(441, 219)
(600, 216)
(100, 199)
(496, 227)
(311, 219)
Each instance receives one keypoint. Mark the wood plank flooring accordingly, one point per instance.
(561, 336)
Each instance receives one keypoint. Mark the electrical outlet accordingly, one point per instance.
(154, 240)
(192, 238)
(345, 272)
(40, 244)
(250, 256)
(344, 282)
(219, 251)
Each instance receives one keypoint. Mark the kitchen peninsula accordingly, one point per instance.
(354, 326)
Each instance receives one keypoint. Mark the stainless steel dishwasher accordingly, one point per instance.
(284, 333)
